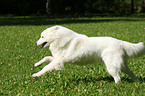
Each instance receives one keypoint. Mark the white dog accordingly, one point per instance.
(73, 48)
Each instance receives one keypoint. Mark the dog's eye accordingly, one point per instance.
(42, 37)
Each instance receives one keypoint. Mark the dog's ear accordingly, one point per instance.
(56, 27)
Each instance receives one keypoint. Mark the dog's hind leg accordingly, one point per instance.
(115, 73)
(113, 64)
(129, 72)
(44, 60)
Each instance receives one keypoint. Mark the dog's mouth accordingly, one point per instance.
(44, 44)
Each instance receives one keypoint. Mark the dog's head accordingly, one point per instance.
(59, 34)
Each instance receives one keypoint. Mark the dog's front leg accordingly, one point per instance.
(52, 65)
(44, 60)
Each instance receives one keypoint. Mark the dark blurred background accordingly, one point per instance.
(72, 7)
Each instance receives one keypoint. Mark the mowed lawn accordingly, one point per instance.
(18, 54)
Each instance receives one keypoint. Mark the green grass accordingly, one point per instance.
(18, 35)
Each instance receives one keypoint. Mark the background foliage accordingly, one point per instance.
(71, 7)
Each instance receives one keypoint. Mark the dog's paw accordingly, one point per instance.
(36, 64)
(35, 75)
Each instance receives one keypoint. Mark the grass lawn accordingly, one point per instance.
(18, 35)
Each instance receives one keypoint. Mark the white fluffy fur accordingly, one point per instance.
(70, 47)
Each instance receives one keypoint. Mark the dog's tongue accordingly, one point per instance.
(43, 44)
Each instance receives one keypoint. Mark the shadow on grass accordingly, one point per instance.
(44, 20)
(92, 79)
(141, 79)
(108, 78)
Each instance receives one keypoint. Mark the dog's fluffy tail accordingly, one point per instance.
(134, 50)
